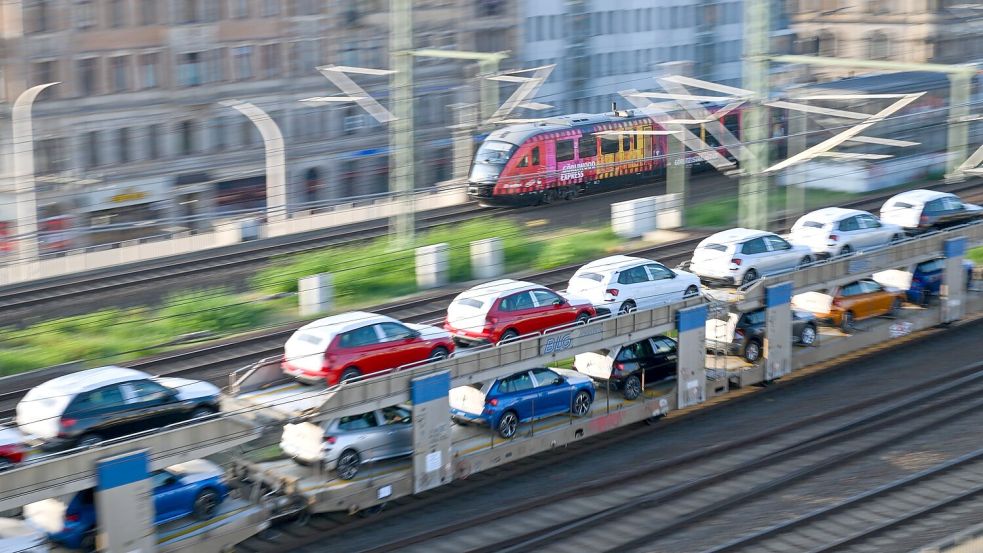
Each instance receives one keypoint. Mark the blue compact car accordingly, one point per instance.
(195, 488)
(926, 280)
(505, 402)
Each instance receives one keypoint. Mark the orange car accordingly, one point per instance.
(852, 302)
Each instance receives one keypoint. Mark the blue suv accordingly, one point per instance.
(527, 395)
(926, 280)
(195, 488)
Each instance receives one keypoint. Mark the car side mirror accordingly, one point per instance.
(415, 334)
(559, 302)
(559, 380)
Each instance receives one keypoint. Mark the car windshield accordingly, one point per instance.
(494, 152)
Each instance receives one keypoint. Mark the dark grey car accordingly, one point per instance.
(744, 333)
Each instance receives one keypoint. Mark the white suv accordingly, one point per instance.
(622, 283)
(838, 231)
(741, 256)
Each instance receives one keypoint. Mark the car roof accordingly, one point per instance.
(328, 327)
(84, 381)
(498, 288)
(918, 197)
(614, 263)
(735, 235)
(830, 214)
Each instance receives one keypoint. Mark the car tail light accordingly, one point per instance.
(68, 423)
(330, 439)
(837, 302)
(619, 366)
(612, 291)
(923, 220)
(490, 322)
(736, 261)
(833, 238)
(738, 334)
(493, 402)
(72, 517)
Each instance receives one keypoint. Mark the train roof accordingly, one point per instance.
(518, 133)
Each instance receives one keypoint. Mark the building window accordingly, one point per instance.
(118, 66)
(85, 17)
(187, 138)
(189, 69)
(88, 76)
(491, 8)
(270, 8)
(247, 131)
(117, 13)
(188, 11)
(270, 60)
(305, 7)
(218, 134)
(149, 70)
(215, 66)
(123, 145)
(827, 44)
(153, 141)
(878, 47)
(44, 72)
(212, 11)
(47, 155)
(37, 16)
(240, 9)
(304, 58)
(148, 12)
(353, 121)
(92, 148)
(242, 57)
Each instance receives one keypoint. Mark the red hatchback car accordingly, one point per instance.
(505, 309)
(12, 448)
(341, 347)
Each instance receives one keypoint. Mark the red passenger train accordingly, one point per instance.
(560, 157)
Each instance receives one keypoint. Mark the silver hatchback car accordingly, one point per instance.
(344, 444)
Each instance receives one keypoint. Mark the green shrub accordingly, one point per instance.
(975, 255)
(574, 247)
(212, 310)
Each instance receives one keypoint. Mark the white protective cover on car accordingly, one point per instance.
(303, 353)
(596, 364)
(815, 302)
(48, 514)
(18, 536)
(462, 314)
(469, 399)
(893, 278)
(302, 440)
(722, 331)
(196, 470)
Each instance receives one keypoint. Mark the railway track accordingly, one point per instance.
(644, 502)
(213, 362)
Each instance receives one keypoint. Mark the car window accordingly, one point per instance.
(755, 246)
(869, 286)
(358, 422)
(396, 414)
(544, 377)
(868, 221)
(519, 382)
(951, 204)
(633, 275)
(564, 150)
(588, 146)
(777, 243)
(516, 302)
(609, 145)
(107, 396)
(635, 351)
(658, 272)
(851, 289)
(545, 297)
(535, 155)
(159, 479)
(756, 317)
(139, 391)
(392, 332)
(359, 337)
(848, 224)
(933, 206)
(663, 345)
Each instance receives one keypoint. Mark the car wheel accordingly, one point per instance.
(509, 335)
(89, 440)
(349, 373)
(627, 307)
(632, 388)
(750, 276)
(804, 261)
(582, 319)
(581, 404)
(808, 336)
(846, 325)
(438, 354)
(752, 351)
(508, 424)
(206, 503)
(88, 541)
(691, 292)
(847, 250)
(895, 308)
(202, 412)
(897, 238)
(348, 464)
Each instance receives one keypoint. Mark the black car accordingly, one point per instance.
(87, 407)
(747, 337)
(624, 367)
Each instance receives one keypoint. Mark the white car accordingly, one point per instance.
(740, 256)
(837, 231)
(621, 283)
(925, 209)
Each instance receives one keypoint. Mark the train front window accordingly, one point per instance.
(490, 160)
